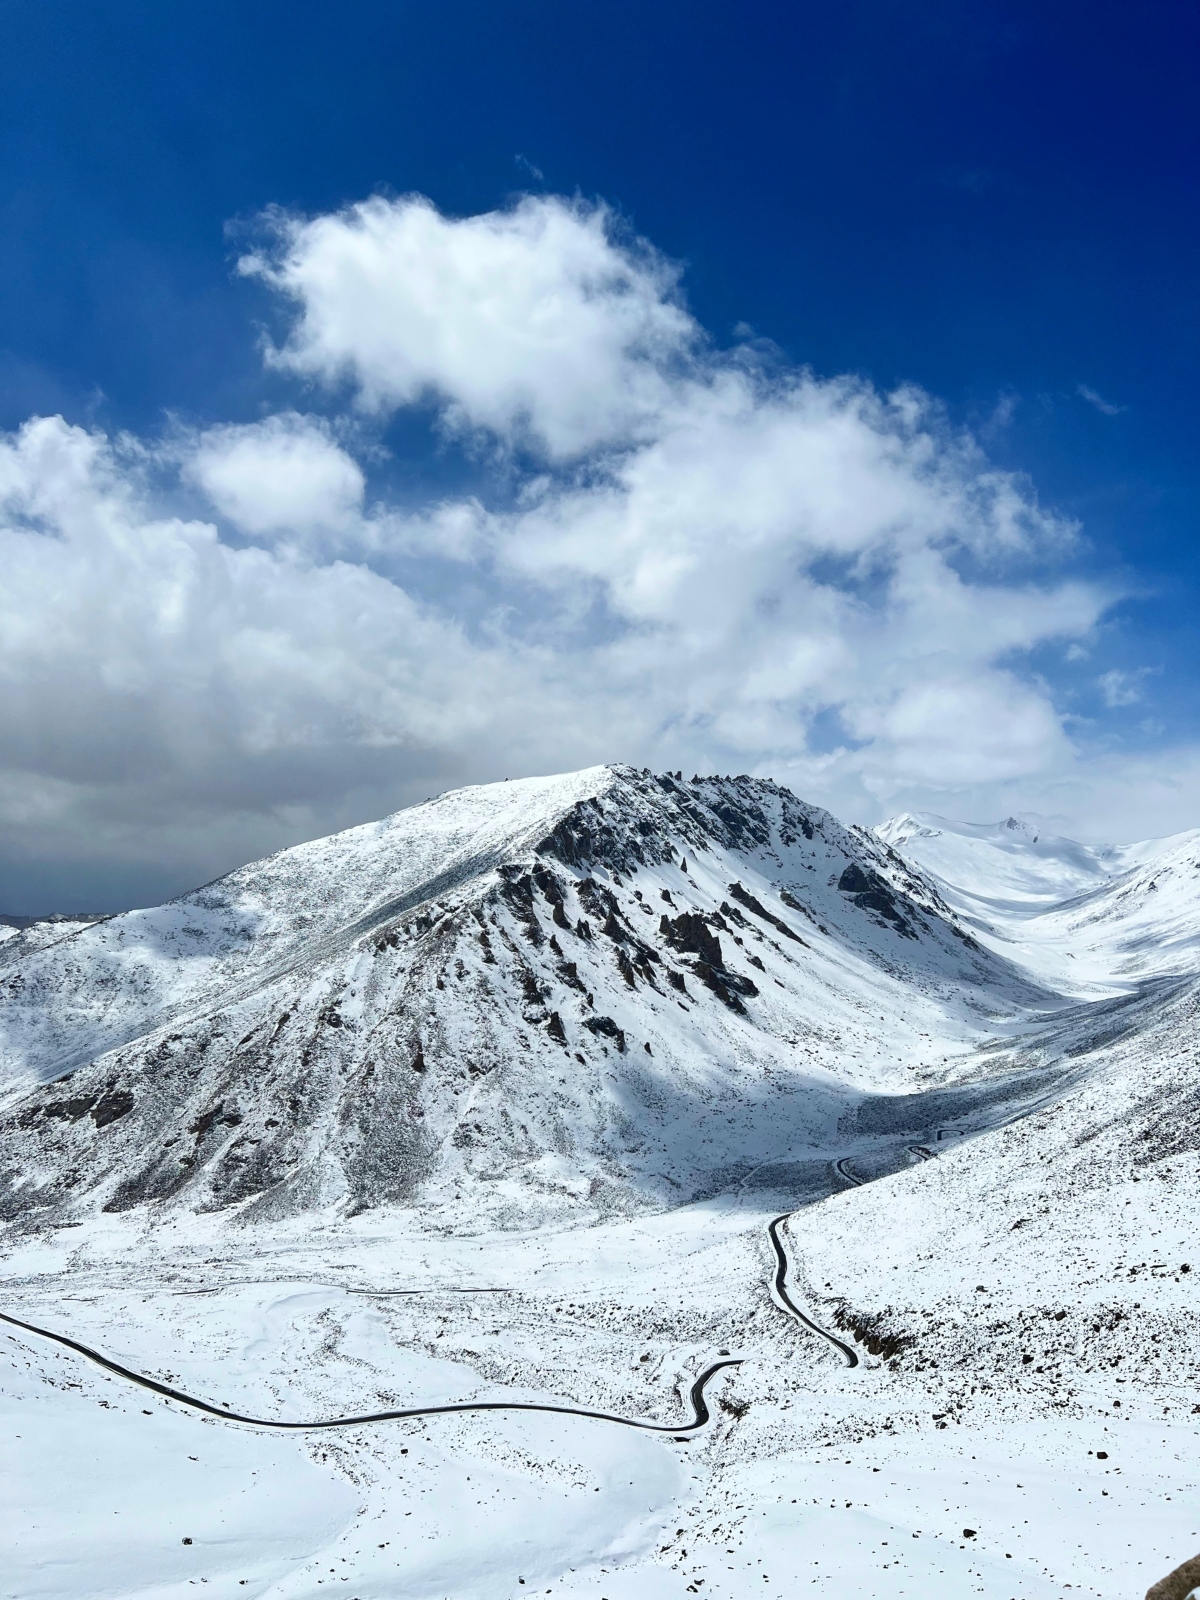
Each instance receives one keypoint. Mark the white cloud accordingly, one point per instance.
(1120, 688)
(533, 322)
(1105, 407)
(735, 561)
(283, 475)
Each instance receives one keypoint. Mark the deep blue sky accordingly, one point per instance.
(991, 200)
(998, 202)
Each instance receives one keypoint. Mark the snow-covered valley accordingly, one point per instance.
(494, 1101)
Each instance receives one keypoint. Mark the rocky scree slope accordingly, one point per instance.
(1050, 1266)
(605, 990)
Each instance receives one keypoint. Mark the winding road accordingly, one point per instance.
(700, 1412)
(701, 1415)
(784, 1299)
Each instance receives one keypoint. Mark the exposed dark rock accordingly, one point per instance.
(689, 934)
(111, 1107)
(869, 891)
(759, 910)
(606, 1028)
(71, 1110)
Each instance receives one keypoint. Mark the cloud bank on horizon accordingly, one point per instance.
(224, 639)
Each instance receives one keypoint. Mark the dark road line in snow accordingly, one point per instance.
(440, 1289)
(842, 1170)
(790, 1306)
(700, 1412)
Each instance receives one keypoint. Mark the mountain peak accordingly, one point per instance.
(536, 989)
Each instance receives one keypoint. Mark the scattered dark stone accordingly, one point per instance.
(529, 984)
(606, 1028)
(215, 1115)
(418, 1061)
(689, 934)
(569, 973)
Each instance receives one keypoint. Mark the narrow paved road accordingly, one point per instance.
(700, 1412)
(789, 1305)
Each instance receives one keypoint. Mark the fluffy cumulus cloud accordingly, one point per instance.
(283, 476)
(530, 323)
(706, 563)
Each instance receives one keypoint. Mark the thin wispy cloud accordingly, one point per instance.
(1105, 407)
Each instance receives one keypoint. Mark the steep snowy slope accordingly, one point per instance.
(1090, 920)
(607, 988)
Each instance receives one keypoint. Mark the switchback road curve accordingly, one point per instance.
(848, 1353)
(700, 1412)
(701, 1415)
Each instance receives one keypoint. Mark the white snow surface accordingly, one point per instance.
(1088, 919)
(968, 1076)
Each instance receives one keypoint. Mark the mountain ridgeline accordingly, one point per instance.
(598, 992)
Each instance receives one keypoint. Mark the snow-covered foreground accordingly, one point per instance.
(860, 1482)
(989, 1165)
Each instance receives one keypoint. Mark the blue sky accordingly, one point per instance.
(994, 204)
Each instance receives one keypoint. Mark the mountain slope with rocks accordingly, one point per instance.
(608, 989)
(498, 1102)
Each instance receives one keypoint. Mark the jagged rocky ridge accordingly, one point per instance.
(604, 991)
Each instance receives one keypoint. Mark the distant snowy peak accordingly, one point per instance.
(1087, 919)
(1009, 860)
(908, 825)
(1021, 860)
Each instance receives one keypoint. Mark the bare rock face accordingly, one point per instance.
(1177, 1585)
(513, 997)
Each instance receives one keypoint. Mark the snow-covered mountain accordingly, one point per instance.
(1089, 920)
(498, 1101)
(603, 989)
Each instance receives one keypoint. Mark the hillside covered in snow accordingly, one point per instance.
(609, 989)
(575, 1093)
